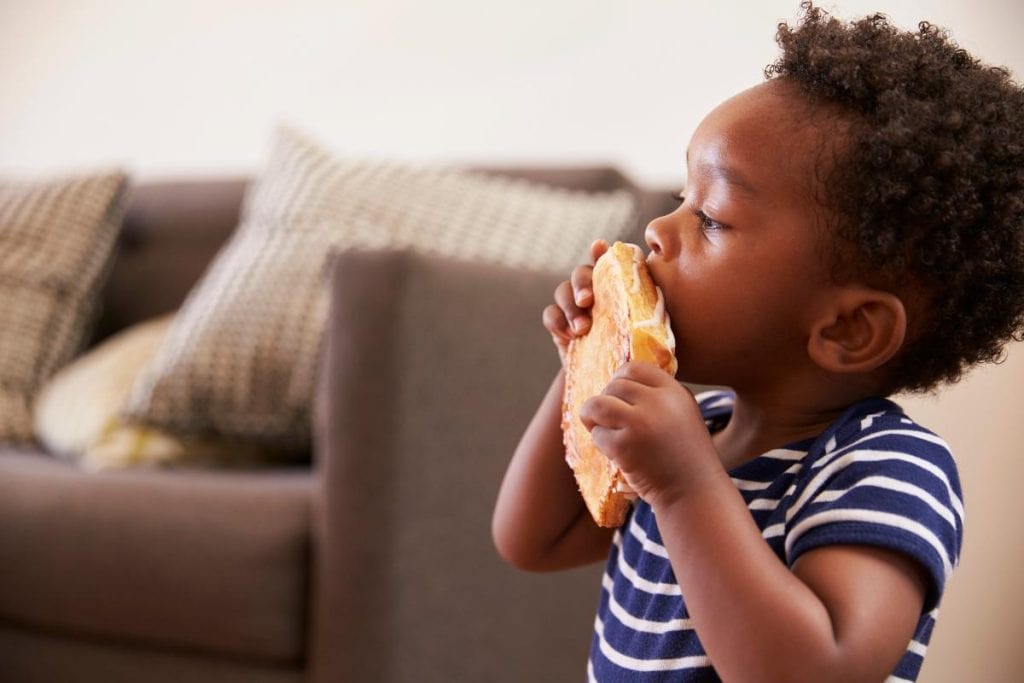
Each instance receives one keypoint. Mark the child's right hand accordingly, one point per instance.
(569, 316)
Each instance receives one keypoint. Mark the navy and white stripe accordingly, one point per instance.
(873, 477)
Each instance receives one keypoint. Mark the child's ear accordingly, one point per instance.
(860, 332)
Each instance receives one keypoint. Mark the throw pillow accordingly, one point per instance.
(76, 413)
(241, 357)
(56, 244)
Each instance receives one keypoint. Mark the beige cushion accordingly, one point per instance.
(76, 413)
(240, 358)
(56, 243)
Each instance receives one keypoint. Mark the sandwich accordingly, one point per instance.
(629, 323)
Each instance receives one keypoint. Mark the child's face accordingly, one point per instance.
(741, 261)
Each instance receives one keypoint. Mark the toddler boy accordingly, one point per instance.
(851, 228)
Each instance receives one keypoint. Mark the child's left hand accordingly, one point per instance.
(650, 426)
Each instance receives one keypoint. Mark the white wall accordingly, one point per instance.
(195, 86)
(190, 87)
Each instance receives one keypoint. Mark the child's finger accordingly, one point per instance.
(582, 279)
(578, 319)
(607, 440)
(597, 248)
(604, 411)
(556, 323)
(645, 374)
(626, 390)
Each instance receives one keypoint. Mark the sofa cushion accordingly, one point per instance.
(56, 243)
(241, 356)
(76, 413)
(34, 657)
(203, 561)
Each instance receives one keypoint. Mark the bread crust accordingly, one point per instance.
(629, 323)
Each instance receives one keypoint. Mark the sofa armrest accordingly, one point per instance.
(432, 369)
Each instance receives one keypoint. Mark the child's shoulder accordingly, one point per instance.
(878, 450)
(879, 428)
(873, 430)
(877, 477)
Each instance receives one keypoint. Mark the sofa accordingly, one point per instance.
(370, 559)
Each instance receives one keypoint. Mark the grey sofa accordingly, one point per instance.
(373, 562)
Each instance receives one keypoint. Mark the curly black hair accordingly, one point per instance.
(928, 187)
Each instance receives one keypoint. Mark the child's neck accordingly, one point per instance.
(757, 427)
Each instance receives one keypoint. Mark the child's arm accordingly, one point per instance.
(844, 612)
(540, 521)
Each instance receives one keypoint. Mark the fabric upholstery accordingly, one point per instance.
(79, 403)
(213, 562)
(422, 403)
(76, 413)
(171, 232)
(56, 243)
(79, 546)
(241, 357)
(36, 657)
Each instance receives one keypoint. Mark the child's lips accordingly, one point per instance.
(649, 260)
(652, 267)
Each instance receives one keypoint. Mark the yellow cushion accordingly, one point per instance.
(76, 413)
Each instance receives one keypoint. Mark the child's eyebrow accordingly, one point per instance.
(727, 173)
(734, 178)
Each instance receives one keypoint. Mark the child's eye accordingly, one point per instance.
(706, 223)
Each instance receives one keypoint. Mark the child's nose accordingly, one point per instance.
(657, 237)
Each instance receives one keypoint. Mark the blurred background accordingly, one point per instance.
(194, 89)
(195, 86)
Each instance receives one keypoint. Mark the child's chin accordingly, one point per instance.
(693, 376)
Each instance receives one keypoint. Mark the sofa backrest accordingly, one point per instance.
(172, 230)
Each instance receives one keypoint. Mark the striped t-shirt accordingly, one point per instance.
(873, 477)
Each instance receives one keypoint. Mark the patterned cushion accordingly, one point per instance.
(241, 356)
(56, 245)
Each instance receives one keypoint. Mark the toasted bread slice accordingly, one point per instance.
(629, 324)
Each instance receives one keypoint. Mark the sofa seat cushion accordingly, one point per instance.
(193, 560)
(31, 657)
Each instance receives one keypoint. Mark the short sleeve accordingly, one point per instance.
(892, 484)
